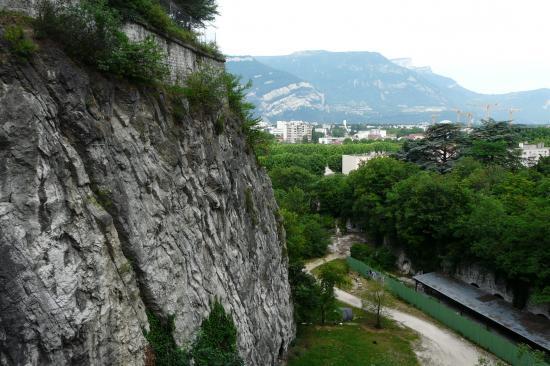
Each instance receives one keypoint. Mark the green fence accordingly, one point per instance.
(495, 343)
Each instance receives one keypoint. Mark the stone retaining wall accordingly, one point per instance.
(181, 58)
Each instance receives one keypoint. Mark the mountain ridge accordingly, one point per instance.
(363, 86)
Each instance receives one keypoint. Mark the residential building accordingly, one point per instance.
(530, 154)
(373, 134)
(352, 162)
(294, 131)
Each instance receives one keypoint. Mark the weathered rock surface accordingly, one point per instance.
(111, 205)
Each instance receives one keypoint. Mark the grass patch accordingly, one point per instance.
(357, 343)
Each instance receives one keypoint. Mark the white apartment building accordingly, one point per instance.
(352, 162)
(373, 134)
(530, 154)
(295, 131)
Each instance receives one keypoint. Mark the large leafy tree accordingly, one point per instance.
(496, 143)
(370, 185)
(439, 150)
(332, 195)
(426, 208)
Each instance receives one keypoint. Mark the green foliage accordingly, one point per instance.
(535, 134)
(216, 343)
(90, 32)
(543, 165)
(378, 257)
(19, 44)
(329, 277)
(495, 143)
(441, 148)
(315, 157)
(206, 91)
(291, 177)
(425, 207)
(306, 293)
(140, 61)
(198, 12)
(152, 13)
(337, 132)
(306, 235)
(212, 92)
(332, 195)
(370, 185)
(162, 342)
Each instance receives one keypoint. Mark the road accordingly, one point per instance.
(438, 346)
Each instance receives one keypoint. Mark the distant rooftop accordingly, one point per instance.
(529, 326)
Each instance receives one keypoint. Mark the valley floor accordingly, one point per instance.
(436, 344)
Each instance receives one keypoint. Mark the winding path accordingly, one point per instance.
(438, 346)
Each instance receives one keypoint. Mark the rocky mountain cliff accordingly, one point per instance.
(112, 205)
(366, 86)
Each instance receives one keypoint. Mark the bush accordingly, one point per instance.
(90, 32)
(205, 91)
(216, 343)
(162, 342)
(151, 12)
(19, 44)
(380, 257)
(141, 61)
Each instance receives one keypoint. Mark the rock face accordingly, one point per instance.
(111, 205)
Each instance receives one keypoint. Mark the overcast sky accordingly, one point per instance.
(491, 46)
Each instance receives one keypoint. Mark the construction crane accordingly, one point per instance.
(458, 114)
(488, 108)
(511, 114)
(469, 118)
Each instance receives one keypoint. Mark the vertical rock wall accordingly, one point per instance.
(111, 204)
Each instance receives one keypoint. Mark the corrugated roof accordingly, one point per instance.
(532, 327)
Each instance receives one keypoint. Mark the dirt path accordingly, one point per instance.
(438, 346)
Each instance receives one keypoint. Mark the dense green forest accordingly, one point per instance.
(451, 198)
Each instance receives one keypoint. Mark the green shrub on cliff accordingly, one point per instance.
(216, 343)
(152, 13)
(19, 43)
(90, 32)
(160, 338)
(205, 91)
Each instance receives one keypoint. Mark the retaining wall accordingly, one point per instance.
(181, 58)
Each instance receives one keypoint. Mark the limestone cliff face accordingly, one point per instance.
(111, 205)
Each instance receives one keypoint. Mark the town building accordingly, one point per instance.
(294, 131)
(413, 136)
(352, 162)
(373, 134)
(331, 140)
(531, 153)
